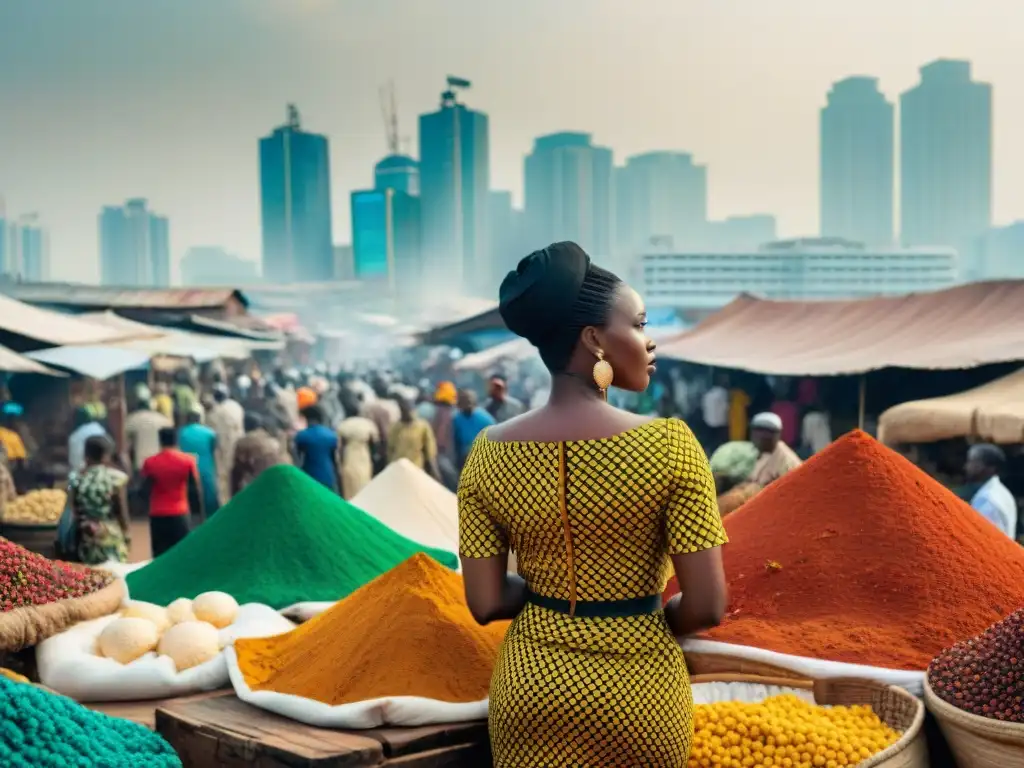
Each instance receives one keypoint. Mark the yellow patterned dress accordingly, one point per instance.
(592, 523)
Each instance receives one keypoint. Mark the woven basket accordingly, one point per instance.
(32, 624)
(716, 664)
(977, 742)
(894, 706)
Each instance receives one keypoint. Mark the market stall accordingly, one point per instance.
(992, 412)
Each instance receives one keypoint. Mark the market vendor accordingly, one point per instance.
(776, 458)
(992, 500)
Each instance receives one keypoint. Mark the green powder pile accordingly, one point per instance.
(284, 539)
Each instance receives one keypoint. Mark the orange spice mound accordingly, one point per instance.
(406, 633)
(880, 564)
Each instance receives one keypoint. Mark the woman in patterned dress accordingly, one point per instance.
(595, 502)
(99, 502)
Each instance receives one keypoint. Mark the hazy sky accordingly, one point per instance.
(101, 100)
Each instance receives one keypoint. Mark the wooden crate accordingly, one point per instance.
(223, 732)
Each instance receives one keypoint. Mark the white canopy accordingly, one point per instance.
(515, 350)
(12, 362)
(54, 328)
(98, 363)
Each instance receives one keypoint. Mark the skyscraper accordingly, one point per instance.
(134, 246)
(32, 249)
(945, 157)
(213, 265)
(856, 165)
(295, 204)
(509, 240)
(397, 172)
(455, 175)
(386, 238)
(568, 192)
(660, 195)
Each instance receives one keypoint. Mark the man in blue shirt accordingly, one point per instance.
(316, 449)
(992, 499)
(469, 422)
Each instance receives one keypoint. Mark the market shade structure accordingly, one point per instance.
(962, 327)
(37, 328)
(993, 412)
(12, 362)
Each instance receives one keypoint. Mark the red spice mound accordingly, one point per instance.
(30, 579)
(873, 562)
(985, 675)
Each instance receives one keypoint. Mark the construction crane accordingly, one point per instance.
(389, 111)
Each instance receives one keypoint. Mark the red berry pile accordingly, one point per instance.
(985, 675)
(30, 579)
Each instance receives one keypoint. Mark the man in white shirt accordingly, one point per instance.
(715, 412)
(992, 500)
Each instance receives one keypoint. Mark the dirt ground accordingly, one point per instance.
(140, 542)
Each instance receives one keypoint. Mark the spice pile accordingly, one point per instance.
(985, 675)
(30, 579)
(284, 539)
(786, 731)
(407, 633)
(38, 728)
(859, 556)
(411, 502)
(42, 507)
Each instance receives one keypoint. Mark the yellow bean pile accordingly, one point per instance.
(42, 507)
(785, 732)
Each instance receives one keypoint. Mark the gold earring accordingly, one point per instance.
(603, 373)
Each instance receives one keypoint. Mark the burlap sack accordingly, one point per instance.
(27, 626)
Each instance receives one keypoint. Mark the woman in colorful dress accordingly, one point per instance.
(99, 503)
(594, 501)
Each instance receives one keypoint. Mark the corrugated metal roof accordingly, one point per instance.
(72, 294)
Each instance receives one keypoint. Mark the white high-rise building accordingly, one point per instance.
(945, 157)
(660, 196)
(857, 173)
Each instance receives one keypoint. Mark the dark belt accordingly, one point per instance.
(599, 609)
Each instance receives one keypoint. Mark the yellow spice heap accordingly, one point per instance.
(785, 732)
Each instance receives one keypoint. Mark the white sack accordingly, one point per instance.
(395, 710)
(815, 669)
(121, 569)
(67, 662)
(750, 693)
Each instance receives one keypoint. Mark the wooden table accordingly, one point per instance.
(224, 732)
(144, 712)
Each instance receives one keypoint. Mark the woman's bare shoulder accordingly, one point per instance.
(545, 425)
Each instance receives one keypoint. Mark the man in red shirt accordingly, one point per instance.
(170, 481)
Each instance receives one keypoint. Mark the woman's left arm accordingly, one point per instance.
(492, 593)
(123, 519)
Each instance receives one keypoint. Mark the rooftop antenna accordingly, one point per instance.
(449, 96)
(293, 117)
(389, 111)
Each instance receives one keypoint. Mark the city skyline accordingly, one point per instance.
(618, 91)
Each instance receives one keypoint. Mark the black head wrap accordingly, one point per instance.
(552, 295)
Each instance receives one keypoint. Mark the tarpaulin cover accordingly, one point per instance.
(12, 362)
(993, 411)
(962, 327)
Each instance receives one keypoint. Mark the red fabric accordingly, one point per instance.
(790, 415)
(169, 471)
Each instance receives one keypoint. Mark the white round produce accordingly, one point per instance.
(217, 608)
(180, 610)
(125, 640)
(190, 644)
(137, 609)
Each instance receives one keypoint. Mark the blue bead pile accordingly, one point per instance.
(44, 730)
